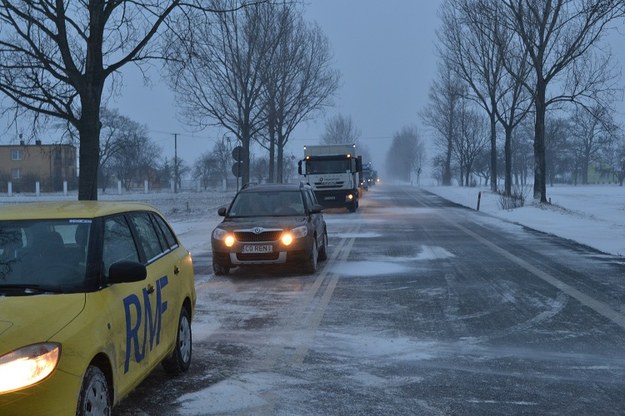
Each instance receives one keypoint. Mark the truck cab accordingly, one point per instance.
(333, 171)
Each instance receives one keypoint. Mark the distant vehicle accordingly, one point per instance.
(368, 176)
(270, 224)
(334, 173)
(93, 296)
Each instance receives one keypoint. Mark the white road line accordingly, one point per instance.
(315, 319)
(594, 304)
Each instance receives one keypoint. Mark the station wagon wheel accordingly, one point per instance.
(311, 263)
(220, 270)
(94, 394)
(180, 358)
(323, 251)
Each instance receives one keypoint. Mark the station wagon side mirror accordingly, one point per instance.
(316, 209)
(222, 211)
(126, 272)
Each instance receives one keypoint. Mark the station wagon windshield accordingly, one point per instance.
(279, 203)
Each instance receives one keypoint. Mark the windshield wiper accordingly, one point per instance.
(27, 289)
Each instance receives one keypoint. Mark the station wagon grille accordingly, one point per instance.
(250, 237)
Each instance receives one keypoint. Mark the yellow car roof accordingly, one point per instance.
(68, 209)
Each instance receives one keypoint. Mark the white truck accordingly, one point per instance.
(333, 172)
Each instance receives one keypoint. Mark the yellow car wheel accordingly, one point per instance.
(180, 359)
(94, 394)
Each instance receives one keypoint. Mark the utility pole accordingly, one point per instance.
(175, 163)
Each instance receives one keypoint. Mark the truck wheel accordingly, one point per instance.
(180, 358)
(352, 207)
(94, 396)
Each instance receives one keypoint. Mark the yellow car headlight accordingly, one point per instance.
(28, 365)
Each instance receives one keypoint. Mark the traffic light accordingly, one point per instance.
(237, 167)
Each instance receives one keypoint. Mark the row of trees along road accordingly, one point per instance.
(515, 59)
(257, 73)
(62, 59)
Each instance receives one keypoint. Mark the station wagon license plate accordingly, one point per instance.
(257, 248)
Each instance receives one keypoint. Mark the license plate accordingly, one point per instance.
(329, 198)
(258, 248)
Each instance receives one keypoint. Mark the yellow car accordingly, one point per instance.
(93, 296)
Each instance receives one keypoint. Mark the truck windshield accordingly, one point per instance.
(328, 166)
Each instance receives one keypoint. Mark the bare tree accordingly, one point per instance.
(205, 169)
(441, 115)
(592, 130)
(406, 154)
(138, 161)
(470, 142)
(558, 150)
(115, 134)
(55, 58)
(214, 166)
(558, 37)
(298, 80)
(616, 158)
(340, 129)
(476, 45)
(522, 152)
(468, 46)
(216, 71)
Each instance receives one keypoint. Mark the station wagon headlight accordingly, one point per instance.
(28, 365)
(225, 236)
(229, 240)
(297, 232)
(287, 238)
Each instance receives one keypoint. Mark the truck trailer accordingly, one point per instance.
(333, 172)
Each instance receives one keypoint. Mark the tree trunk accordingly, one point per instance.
(271, 127)
(280, 160)
(89, 152)
(245, 144)
(540, 164)
(508, 161)
(493, 151)
(584, 168)
(447, 167)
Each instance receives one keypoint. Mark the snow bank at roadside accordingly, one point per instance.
(593, 215)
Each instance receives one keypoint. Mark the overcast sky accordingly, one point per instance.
(383, 49)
